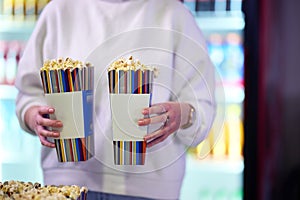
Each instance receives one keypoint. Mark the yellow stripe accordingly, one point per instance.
(62, 150)
(48, 81)
(71, 86)
(74, 150)
(121, 152)
(117, 82)
(141, 81)
(134, 152)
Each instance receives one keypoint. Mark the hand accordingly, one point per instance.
(35, 120)
(170, 114)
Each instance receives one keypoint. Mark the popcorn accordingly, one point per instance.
(18, 190)
(67, 63)
(130, 64)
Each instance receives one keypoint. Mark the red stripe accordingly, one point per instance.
(145, 82)
(83, 148)
(71, 149)
(144, 152)
(130, 150)
(75, 80)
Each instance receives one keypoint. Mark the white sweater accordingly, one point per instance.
(162, 33)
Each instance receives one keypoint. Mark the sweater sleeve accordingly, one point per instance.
(194, 80)
(28, 82)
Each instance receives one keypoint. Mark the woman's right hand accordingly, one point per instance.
(35, 120)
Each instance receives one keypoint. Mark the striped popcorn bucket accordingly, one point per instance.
(130, 92)
(70, 92)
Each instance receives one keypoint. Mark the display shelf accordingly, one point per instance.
(220, 21)
(213, 178)
(8, 92)
(16, 28)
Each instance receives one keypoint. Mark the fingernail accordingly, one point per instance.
(55, 134)
(51, 110)
(141, 121)
(59, 124)
(145, 112)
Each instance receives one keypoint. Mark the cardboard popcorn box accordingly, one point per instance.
(130, 87)
(68, 87)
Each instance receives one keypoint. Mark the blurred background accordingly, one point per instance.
(255, 47)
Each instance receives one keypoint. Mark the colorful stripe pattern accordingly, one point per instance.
(67, 80)
(130, 82)
(74, 149)
(70, 80)
(129, 152)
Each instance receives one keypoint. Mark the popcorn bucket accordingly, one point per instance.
(70, 92)
(130, 92)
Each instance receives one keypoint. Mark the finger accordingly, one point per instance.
(158, 133)
(153, 135)
(155, 109)
(157, 140)
(49, 122)
(154, 120)
(46, 143)
(166, 130)
(43, 110)
(45, 133)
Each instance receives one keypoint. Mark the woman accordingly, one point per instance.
(162, 33)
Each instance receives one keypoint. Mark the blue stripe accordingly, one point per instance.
(78, 149)
(132, 82)
(137, 152)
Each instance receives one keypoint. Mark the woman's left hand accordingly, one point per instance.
(170, 114)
